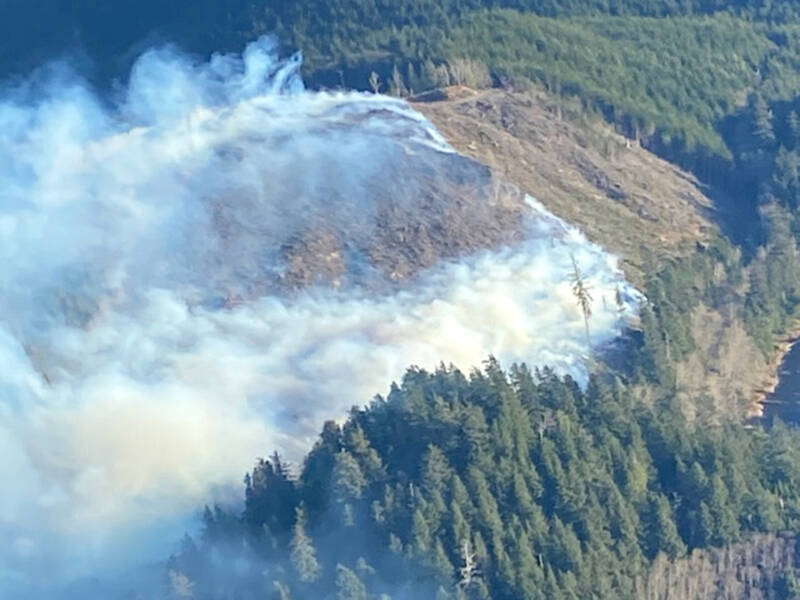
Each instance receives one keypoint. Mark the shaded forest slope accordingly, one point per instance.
(641, 207)
(508, 486)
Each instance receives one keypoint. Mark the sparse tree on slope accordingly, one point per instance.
(580, 290)
(374, 82)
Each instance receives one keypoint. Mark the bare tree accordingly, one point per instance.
(469, 571)
(375, 82)
(618, 299)
(580, 289)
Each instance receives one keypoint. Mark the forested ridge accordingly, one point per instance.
(667, 73)
(518, 484)
(502, 485)
(521, 484)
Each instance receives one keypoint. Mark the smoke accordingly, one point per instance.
(132, 388)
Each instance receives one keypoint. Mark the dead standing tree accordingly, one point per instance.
(375, 82)
(469, 571)
(580, 289)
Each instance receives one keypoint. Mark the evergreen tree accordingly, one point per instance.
(303, 555)
(348, 585)
(397, 87)
(420, 533)
(436, 471)
(367, 457)
(441, 563)
(348, 483)
(793, 125)
(617, 483)
(661, 534)
(762, 121)
(721, 508)
(652, 358)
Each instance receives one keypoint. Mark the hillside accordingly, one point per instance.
(510, 486)
(643, 208)
(447, 207)
(520, 485)
(230, 262)
(625, 198)
(212, 253)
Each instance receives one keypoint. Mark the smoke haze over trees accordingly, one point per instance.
(215, 278)
(554, 492)
(148, 310)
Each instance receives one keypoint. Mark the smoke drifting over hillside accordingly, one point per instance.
(148, 354)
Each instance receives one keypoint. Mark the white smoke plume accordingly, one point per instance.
(129, 395)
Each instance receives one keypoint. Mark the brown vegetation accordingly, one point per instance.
(745, 571)
(626, 199)
(640, 207)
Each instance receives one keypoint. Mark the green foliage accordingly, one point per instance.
(630, 67)
(711, 276)
(558, 492)
(660, 532)
(659, 69)
(575, 508)
(303, 555)
(665, 71)
(774, 291)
